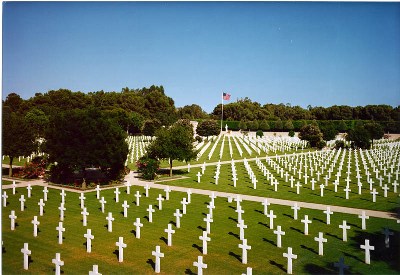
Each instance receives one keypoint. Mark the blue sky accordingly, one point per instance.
(302, 53)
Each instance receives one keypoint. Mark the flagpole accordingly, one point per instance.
(222, 114)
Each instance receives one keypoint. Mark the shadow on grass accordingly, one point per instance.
(269, 241)
(164, 240)
(280, 266)
(390, 255)
(309, 249)
(234, 234)
(296, 229)
(151, 263)
(116, 253)
(133, 231)
(316, 269)
(264, 224)
(198, 247)
(238, 257)
(334, 236)
(201, 228)
(233, 219)
(188, 271)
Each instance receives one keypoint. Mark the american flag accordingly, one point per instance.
(226, 96)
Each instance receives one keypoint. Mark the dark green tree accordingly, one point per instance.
(173, 143)
(312, 134)
(329, 131)
(243, 125)
(264, 125)
(375, 130)
(208, 128)
(18, 138)
(150, 126)
(38, 120)
(360, 137)
(80, 139)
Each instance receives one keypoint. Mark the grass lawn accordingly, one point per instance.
(224, 255)
(6, 182)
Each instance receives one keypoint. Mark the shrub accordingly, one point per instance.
(291, 133)
(36, 168)
(259, 133)
(148, 167)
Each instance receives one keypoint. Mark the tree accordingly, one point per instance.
(38, 121)
(208, 128)
(375, 130)
(259, 133)
(329, 131)
(135, 123)
(264, 125)
(173, 143)
(360, 137)
(312, 134)
(80, 139)
(288, 125)
(243, 125)
(18, 137)
(150, 126)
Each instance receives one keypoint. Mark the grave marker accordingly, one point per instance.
(169, 231)
(367, 247)
(110, 219)
(60, 230)
(89, 237)
(13, 218)
(205, 239)
(26, 253)
(138, 225)
(200, 265)
(35, 223)
(321, 240)
(279, 234)
(244, 246)
(121, 245)
(306, 221)
(158, 255)
(290, 256)
(58, 263)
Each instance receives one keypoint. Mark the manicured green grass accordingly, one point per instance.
(16, 161)
(6, 182)
(265, 189)
(224, 255)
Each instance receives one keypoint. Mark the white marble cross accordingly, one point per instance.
(160, 200)
(60, 230)
(121, 245)
(322, 189)
(84, 216)
(98, 191)
(298, 185)
(244, 246)
(198, 176)
(328, 213)
(4, 196)
(239, 211)
(89, 237)
(374, 193)
(271, 217)
(125, 205)
(200, 265)
(158, 255)
(29, 188)
(102, 201)
(147, 187)
(110, 219)
(265, 203)
(295, 208)
(57, 261)
(178, 215)
(241, 226)
(150, 210)
(45, 191)
(41, 205)
(313, 181)
(117, 192)
(63, 195)
(363, 218)
(62, 209)
(306, 221)
(385, 189)
(344, 227)
(279, 234)
(137, 195)
(167, 190)
(367, 247)
(387, 233)
(347, 190)
(205, 239)
(341, 266)
(184, 203)
(138, 225)
(290, 256)
(26, 253)
(22, 201)
(189, 197)
(321, 240)
(208, 220)
(169, 232)
(82, 198)
(35, 223)
(95, 270)
(13, 187)
(13, 218)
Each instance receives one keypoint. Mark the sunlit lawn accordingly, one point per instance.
(224, 255)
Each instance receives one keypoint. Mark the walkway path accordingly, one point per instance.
(133, 177)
